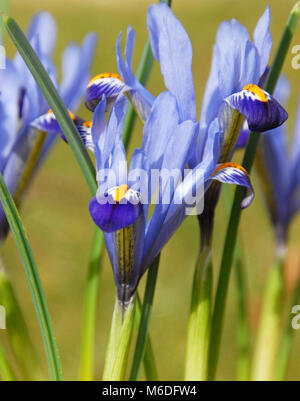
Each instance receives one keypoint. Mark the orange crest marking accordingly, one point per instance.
(87, 124)
(229, 164)
(105, 75)
(69, 111)
(120, 192)
(256, 91)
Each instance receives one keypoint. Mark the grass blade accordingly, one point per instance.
(33, 279)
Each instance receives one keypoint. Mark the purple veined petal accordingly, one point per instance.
(263, 40)
(232, 173)
(85, 132)
(260, 109)
(172, 48)
(47, 122)
(141, 99)
(106, 84)
(115, 209)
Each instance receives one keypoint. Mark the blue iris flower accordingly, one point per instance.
(21, 101)
(134, 233)
(278, 165)
(172, 136)
(238, 65)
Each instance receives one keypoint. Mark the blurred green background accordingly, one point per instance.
(55, 210)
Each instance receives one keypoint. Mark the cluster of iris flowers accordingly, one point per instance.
(179, 167)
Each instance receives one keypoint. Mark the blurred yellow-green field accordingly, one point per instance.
(55, 210)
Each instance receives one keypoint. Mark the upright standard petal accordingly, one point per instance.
(172, 48)
(140, 97)
(263, 40)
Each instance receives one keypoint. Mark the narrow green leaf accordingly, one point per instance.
(54, 100)
(33, 279)
(232, 229)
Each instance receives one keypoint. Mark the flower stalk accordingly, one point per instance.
(119, 341)
(198, 337)
(268, 336)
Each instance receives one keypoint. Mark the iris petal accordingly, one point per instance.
(260, 109)
(107, 84)
(47, 122)
(232, 173)
(112, 215)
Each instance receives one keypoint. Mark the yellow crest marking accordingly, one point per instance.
(87, 124)
(120, 192)
(256, 91)
(105, 75)
(69, 111)
(229, 164)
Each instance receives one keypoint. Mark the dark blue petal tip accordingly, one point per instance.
(116, 209)
(259, 108)
(108, 84)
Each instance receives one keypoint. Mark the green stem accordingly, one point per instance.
(33, 279)
(243, 333)
(6, 371)
(119, 342)
(198, 337)
(243, 336)
(286, 342)
(269, 329)
(90, 308)
(145, 320)
(232, 229)
(149, 360)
